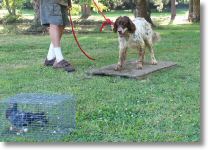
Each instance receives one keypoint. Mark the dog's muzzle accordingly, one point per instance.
(121, 31)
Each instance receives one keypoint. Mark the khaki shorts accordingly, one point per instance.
(53, 13)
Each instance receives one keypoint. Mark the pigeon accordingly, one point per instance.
(20, 120)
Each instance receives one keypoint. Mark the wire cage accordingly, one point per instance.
(37, 117)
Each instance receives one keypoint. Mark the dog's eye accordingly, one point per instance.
(124, 24)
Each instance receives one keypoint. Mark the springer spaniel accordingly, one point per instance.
(135, 34)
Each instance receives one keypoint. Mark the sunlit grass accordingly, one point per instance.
(164, 107)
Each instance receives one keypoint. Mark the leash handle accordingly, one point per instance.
(76, 39)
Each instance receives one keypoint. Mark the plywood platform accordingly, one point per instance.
(130, 70)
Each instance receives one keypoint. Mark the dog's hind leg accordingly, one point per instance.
(152, 54)
(141, 52)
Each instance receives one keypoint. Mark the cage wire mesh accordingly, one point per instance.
(37, 117)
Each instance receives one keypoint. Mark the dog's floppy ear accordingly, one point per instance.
(115, 26)
(131, 26)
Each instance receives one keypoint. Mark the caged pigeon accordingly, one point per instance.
(21, 120)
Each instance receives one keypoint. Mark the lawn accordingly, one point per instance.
(164, 107)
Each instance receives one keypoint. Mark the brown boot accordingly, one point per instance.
(49, 62)
(64, 65)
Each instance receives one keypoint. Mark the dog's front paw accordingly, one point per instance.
(154, 62)
(139, 66)
(118, 68)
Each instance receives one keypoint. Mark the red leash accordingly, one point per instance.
(107, 20)
(75, 37)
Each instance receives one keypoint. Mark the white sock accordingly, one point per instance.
(58, 53)
(51, 55)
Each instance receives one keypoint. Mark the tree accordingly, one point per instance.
(11, 6)
(86, 11)
(36, 6)
(173, 10)
(36, 25)
(143, 10)
(194, 11)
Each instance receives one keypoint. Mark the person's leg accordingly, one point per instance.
(44, 17)
(57, 19)
(55, 35)
(61, 30)
(51, 54)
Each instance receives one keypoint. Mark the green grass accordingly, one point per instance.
(27, 12)
(164, 107)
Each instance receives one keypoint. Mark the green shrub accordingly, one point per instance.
(76, 9)
(101, 6)
(11, 18)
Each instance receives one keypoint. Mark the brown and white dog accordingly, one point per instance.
(135, 34)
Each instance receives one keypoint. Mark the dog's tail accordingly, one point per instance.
(156, 37)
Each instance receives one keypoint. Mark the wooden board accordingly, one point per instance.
(130, 70)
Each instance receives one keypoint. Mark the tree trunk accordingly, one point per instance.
(86, 12)
(194, 11)
(8, 7)
(173, 10)
(36, 24)
(11, 7)
(190, 15)
(142, 10)
(14, 8)
(36, 6)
